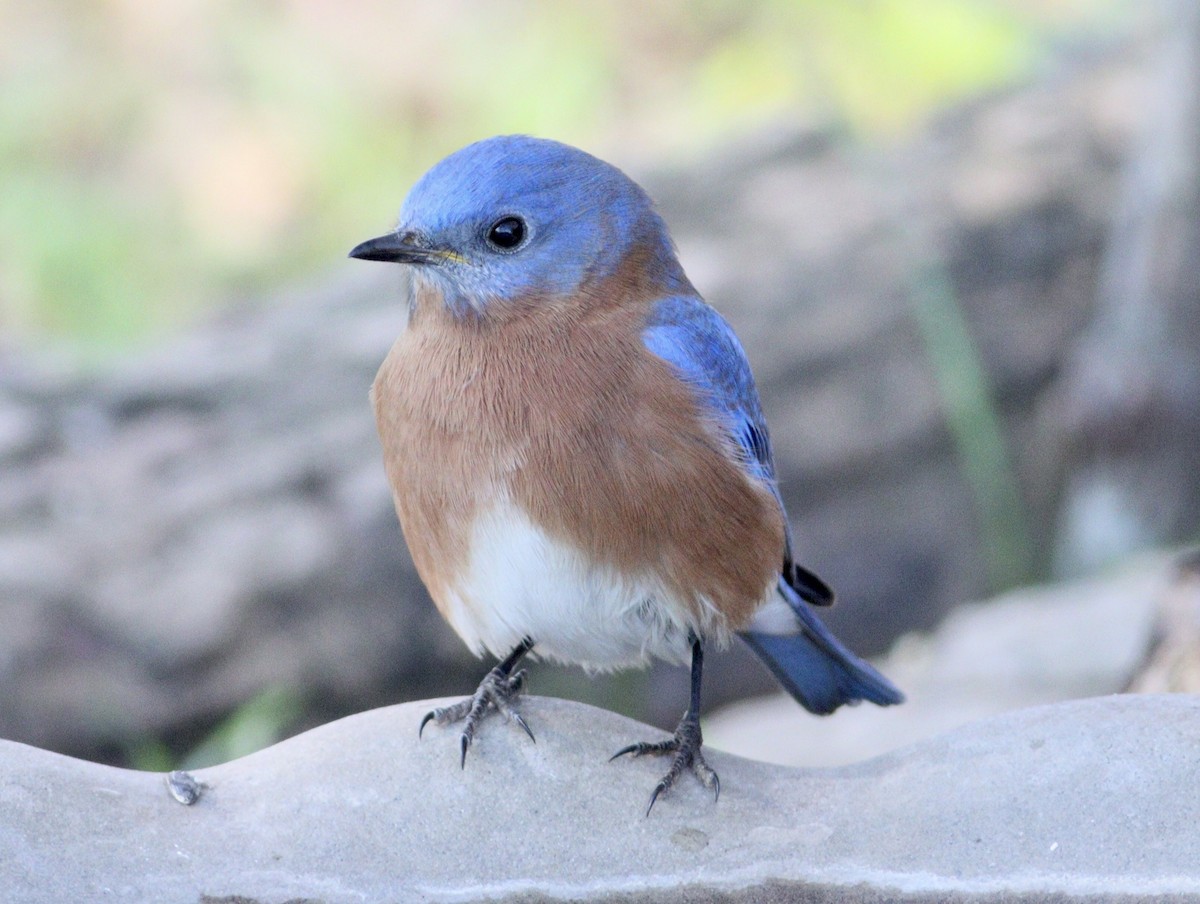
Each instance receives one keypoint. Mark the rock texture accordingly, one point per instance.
(1091, 800)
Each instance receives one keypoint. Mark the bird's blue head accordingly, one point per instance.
(517, 217)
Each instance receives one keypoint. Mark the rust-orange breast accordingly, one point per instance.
(559, 407)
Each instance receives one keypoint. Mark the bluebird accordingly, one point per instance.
(576, 449)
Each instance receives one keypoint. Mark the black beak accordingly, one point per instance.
(397, 248)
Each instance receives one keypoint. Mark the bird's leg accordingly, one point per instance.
(684, 745)
(498, 690)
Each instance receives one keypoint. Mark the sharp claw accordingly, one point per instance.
(520, 721)
(495, 692)
(685, 751)
(624, 750)
(644, 748)
(658, 789)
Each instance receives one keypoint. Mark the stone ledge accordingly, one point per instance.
(1094, 799)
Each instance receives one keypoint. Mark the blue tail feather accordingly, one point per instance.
(816, 668)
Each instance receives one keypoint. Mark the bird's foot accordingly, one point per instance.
(684, 748)
(497, 691)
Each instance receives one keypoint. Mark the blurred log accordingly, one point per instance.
(1172, 662)
(1130, 398)
(211, 517)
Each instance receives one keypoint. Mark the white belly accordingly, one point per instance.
(521, 583)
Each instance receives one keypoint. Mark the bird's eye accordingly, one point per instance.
(507, 233)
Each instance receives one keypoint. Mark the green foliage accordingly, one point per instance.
(259, 722)
(974, 421)
(876, 65)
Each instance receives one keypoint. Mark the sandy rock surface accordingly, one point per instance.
(1093, 799)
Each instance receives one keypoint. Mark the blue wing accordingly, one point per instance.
(807, 659)
(692, 336)
(689, 334)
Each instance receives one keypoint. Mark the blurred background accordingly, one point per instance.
(159, 159)
(958, 238)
